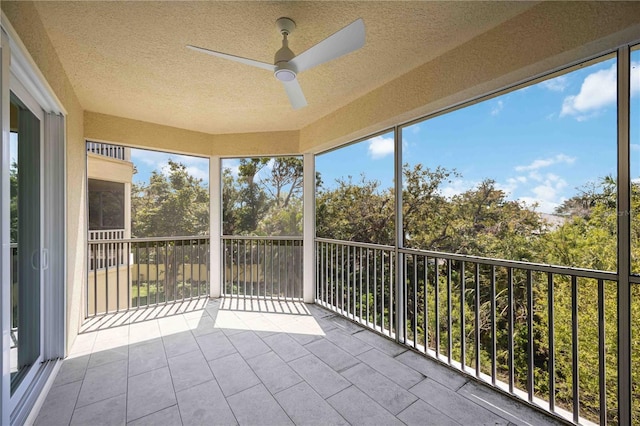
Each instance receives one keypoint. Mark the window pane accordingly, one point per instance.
(169, 194)
(262, 196)
(354, 198)
(528, 175)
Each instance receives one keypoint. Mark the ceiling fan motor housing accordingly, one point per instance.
(284, 71)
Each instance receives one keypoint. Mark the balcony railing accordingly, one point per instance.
(262, 267)
(107, 255)
(146, 272)
(496, 320)
(107, 150)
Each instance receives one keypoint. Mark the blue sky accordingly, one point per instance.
(146, 161)
(540, 144)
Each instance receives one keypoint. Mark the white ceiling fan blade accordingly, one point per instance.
(294, 92)
(246, 61)
(345, 41)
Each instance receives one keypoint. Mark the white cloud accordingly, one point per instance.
(197, 167)
(547, 195)
(546, 162)
(198, 173)
(512, 184)
(557, 84)
(380, 147)
(635, 147)
(233, 165)
(457, 187)
(598, 91)
(499, 106)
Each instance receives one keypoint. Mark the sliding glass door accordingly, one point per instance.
(28, 259)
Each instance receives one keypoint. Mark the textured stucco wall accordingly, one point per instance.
(548, 36)
(26, 21)
(110, 169)
(140, 134)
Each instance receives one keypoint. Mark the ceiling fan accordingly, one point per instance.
(287, 65)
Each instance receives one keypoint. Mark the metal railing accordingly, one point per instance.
(107, 150)
(262, 267)
(106, 234)
(107, 255)
(356, 280)
(148, 271)
(513, 325)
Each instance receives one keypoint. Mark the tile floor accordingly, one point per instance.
(241, 362)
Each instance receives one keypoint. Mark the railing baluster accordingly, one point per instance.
(449, 322)
(436, 277)
(602, 354)
(106, 280)
(463, 355)
(493, 325)
(476, 280)
(117, 278)
(510, 327)
(360, 270)
(574, 350)
(375, 288)
(425, 316)
(530, 348)
(415, 301)
(551, 362)
(354, 283)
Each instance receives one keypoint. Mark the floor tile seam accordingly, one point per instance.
(76, 407)
(462, 396)
(182, 353)
(75, 404)
(314, 391)
(148, 371)
(274, 351)
(106, 363)
(213, 379)
(172, 386)
(117, 343)
(99, 401)
(147, 415)
(285, 363)
(254, 356)
(202, 352)
(496, 406)
(391, 378)
(226, 397)
(195, 336)
(374, 401)
(430, 405)
(84, 374)
(272, 396)
(366, 393)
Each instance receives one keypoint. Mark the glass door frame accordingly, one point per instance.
(17, 68)
(19, 91)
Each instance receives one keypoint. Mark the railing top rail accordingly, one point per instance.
(538, 267)
(356, 244)
(148, 240)
(256, 237)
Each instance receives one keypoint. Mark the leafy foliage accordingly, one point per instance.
(172, 204)
(265, 198)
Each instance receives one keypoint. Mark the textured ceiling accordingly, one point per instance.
(129, 59)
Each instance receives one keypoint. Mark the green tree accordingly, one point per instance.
(265, 198)
(172, 204)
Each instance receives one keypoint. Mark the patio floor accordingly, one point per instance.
(269, 363)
